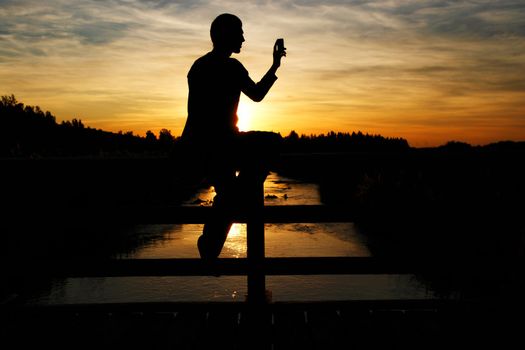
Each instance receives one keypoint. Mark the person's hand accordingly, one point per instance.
(278, 53)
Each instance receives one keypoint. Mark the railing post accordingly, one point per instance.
(255, 245)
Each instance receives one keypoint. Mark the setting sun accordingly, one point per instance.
(244, 112)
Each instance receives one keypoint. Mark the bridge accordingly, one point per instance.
(258, 322)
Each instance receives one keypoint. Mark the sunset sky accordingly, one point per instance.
(427, 71)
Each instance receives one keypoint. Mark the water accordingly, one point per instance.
(282, 240)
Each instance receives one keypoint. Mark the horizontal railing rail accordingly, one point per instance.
(256, 266)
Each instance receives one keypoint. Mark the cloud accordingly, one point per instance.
(37, 28)
(162, 4)
(478, 22)
(99, 33)
(460, 19)
(463, 19)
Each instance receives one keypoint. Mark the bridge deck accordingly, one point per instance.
(390, 324)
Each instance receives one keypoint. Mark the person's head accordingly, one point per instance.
(226, 33)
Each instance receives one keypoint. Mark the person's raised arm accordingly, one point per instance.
(257, 91)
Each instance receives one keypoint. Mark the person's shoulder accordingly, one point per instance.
(202, 60)
(234, 61)
(237, 64)
(200, 63)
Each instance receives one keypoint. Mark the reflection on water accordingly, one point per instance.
(278, 190)
(282, 240)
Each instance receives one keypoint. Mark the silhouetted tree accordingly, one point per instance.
(456, 146)
(293, 136)
(166, 139)
(150, 136)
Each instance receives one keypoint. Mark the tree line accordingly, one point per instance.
(342, 142)
(28, 131)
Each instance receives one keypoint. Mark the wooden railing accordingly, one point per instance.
(255, 266)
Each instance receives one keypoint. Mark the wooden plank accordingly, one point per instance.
(255, 246)
(326, 329)
(291, 330)
(357, 324)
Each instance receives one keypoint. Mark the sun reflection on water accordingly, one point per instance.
(235, 245)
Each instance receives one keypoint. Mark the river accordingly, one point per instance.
(282, 240)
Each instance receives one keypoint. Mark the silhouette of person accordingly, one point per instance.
(231, 160)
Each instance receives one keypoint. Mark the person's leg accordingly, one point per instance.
(216, 229)
(253, 154)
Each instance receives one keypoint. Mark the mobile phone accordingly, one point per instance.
(280, 44)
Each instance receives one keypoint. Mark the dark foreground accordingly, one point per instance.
(391, 324)
(411, 206)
